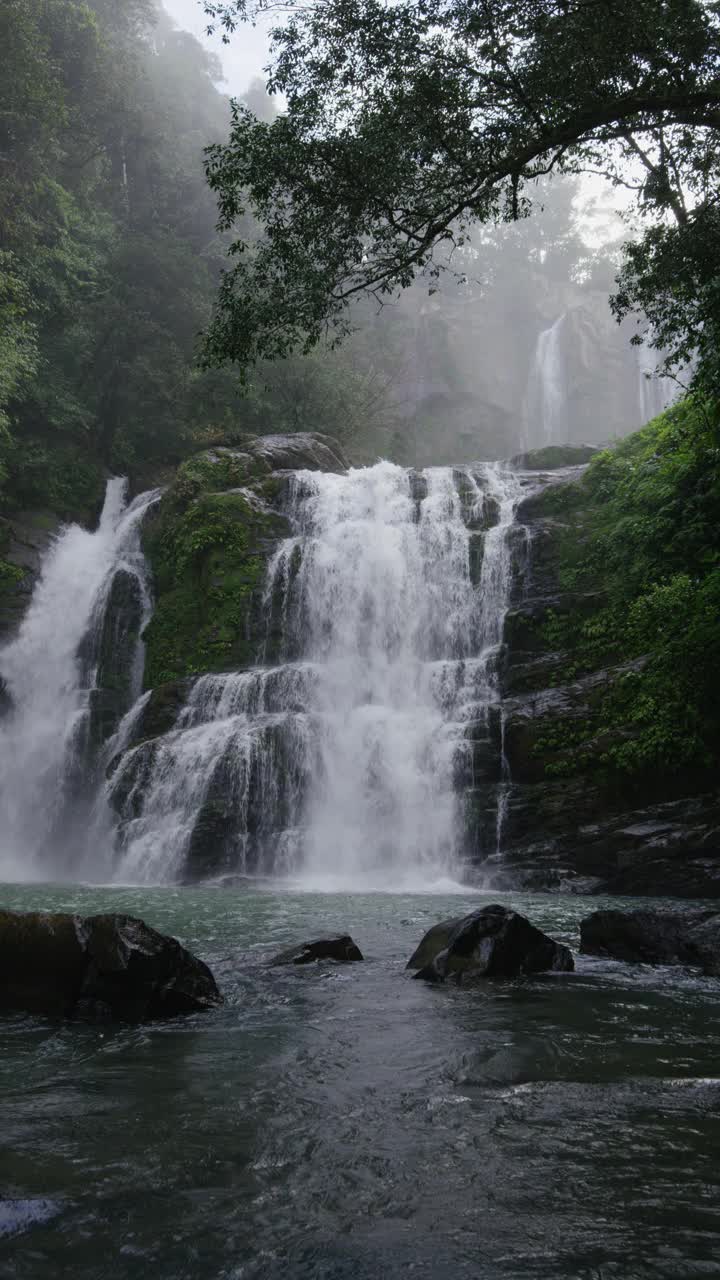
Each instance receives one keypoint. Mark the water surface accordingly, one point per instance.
(349, 1122)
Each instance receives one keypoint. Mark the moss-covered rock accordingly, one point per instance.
(208, 543)
(209, 559)
(24, 537)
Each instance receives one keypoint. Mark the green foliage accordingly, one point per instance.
(109, 260)
(107, 247)
(10, 575)
(644, 558)
(407, 124)
(62, 477)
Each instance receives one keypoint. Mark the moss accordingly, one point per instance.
(209, 561)
(637, 557)
(14, 595)
(214, 471)
(10, 576)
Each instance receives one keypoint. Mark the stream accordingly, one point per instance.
(341, 1122)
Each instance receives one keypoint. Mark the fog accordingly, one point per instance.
(515, 347)
(242, 58)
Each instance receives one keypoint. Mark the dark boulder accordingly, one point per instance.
(301, 450)
(433, 942)
(6, 702)
(654, 937)
(111, 966)
(705, 938)
(494, 942)
(342, 949)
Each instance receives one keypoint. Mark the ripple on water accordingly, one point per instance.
(356, 1123)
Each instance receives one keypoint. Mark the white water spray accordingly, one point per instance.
(48, 687)
(655, 391)
(546, 400)
(342, 766)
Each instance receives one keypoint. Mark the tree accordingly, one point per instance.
(407, 123)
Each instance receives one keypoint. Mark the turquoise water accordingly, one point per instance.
(350, 1122)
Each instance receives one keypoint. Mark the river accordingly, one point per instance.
(331, 1123)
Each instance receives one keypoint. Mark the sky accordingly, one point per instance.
(247, 53)
(242, 59)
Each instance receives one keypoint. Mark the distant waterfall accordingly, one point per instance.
(344, 763)
(655, 392)
(546, 398)
(50, 670)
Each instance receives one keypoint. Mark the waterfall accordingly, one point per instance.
(51, 670)
(345, 763)
(655, 391)
(545, 402)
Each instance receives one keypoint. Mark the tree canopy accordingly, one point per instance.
(110, 259)
(407, 123)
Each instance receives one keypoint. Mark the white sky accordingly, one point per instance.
(245, 55)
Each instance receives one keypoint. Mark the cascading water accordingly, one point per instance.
(344, 764)
(545, 402)
(50, 672)
(655, 391)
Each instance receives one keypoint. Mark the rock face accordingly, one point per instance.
(309, 450)
(568, 824)
(24, 538)
(554, 456)
(104, 966)
(491, 943)
(342, 949)
(654, 937)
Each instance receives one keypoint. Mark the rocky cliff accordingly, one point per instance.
(606, 796)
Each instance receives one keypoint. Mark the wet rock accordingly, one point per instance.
(494, 942)
(110, 966)
(109, 650)
(6, 702)
(432, 943)
(342, 949)
(162, 709)
(555, 456)
(559, 832)
(303, 450)
(654, 937)
(24, 539)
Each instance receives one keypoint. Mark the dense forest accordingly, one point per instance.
(111, 262)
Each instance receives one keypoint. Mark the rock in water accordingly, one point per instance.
(433, 942)
(98, 966)
(341, 949)
(491, 943)
(654, 937)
